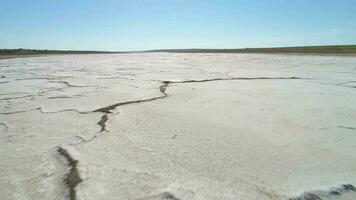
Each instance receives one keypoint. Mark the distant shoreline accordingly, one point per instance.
(23, 53)
(4, 57)
(335, 50)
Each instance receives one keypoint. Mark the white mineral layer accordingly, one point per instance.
(178, 126)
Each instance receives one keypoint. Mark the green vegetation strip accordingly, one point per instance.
(336, 49)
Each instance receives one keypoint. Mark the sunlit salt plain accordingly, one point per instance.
(178, 126)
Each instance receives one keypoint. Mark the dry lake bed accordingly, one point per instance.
(178, 127)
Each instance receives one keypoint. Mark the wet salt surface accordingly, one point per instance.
(178, 126)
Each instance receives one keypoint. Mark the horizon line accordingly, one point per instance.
(174, 49)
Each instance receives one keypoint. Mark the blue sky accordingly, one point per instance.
(157, 24)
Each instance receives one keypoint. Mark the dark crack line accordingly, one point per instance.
(66, 110)
(3, 94)
(347, 127)
(102, 122)
(338, 84)
(45, 112)
(343, 83)
(72, 178)
(83, 140)
(20, 111)
(71, 85)
(109, 108)
(117, 77)
(66, 83)
(62, 97)
(80, 138)
(34, 78)
(40, 93)
(60, 77)
(20, 97)
(65, 97)
(236, 78)
(162, 88)
(163, 195)
(331, 192)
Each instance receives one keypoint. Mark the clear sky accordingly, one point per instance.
(157, 24)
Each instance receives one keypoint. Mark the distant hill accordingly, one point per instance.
(336, 49)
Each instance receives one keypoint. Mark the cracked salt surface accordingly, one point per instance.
(178, 126)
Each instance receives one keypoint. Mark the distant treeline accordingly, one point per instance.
(336, 49)
(36, 51)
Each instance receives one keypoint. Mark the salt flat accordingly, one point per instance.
(178, 126)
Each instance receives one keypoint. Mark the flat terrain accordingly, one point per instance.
(322, 50)
(178, 126)
(346, 50)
